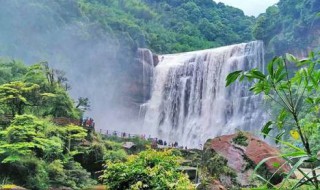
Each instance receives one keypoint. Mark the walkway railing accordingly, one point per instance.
(155, 141)
(123, 134)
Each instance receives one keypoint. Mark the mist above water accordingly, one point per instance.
(43, 30)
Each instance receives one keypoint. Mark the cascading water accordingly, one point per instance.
(146, 60)
(189, 101)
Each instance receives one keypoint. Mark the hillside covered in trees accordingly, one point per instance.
(163, 26)
(35, 152)
(172, 26)
(289, 26)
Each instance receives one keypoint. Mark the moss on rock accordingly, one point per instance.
(215, 167)
(241, 139)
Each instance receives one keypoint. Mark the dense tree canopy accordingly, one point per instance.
(34, 152)
(172, 26)
(32, 89)
(289, 26)
(164, 26)
(37, 153)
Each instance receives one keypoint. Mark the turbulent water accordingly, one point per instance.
(189, 101)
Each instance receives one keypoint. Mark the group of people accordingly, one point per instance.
(155, 141)
(119, 134)
(164, 143)
(124, 134)
(87, 122)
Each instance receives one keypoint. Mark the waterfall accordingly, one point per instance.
(146, 60)
(189, 101)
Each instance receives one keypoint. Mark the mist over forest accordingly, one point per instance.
(56, 32)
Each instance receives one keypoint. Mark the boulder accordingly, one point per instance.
(243, 152)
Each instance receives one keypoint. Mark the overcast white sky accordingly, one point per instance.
(250, 7)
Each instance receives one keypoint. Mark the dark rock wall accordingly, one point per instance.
(140, 79)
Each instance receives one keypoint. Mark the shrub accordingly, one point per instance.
(147, 170)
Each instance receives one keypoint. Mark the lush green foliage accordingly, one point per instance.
(212, 165)
(34, 152)
(289, 26)
(163, 26)
(35, 89)
(171, 26)
(240, 139)
(147, 170)
(38, 154)
(298, 97)
(140, 144)
(14, 94)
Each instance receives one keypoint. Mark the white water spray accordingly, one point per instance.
(189, 101)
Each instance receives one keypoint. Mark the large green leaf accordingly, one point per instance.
(266, 129)
(270, 67)
(279, 136)
(232, 77)
(258, 74)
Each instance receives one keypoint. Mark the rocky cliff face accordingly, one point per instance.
(242, 152)
(280, 44)
(140, 79)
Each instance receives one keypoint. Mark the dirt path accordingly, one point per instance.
(305, 170)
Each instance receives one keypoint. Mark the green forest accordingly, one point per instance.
(289, 27)
(38, 152)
